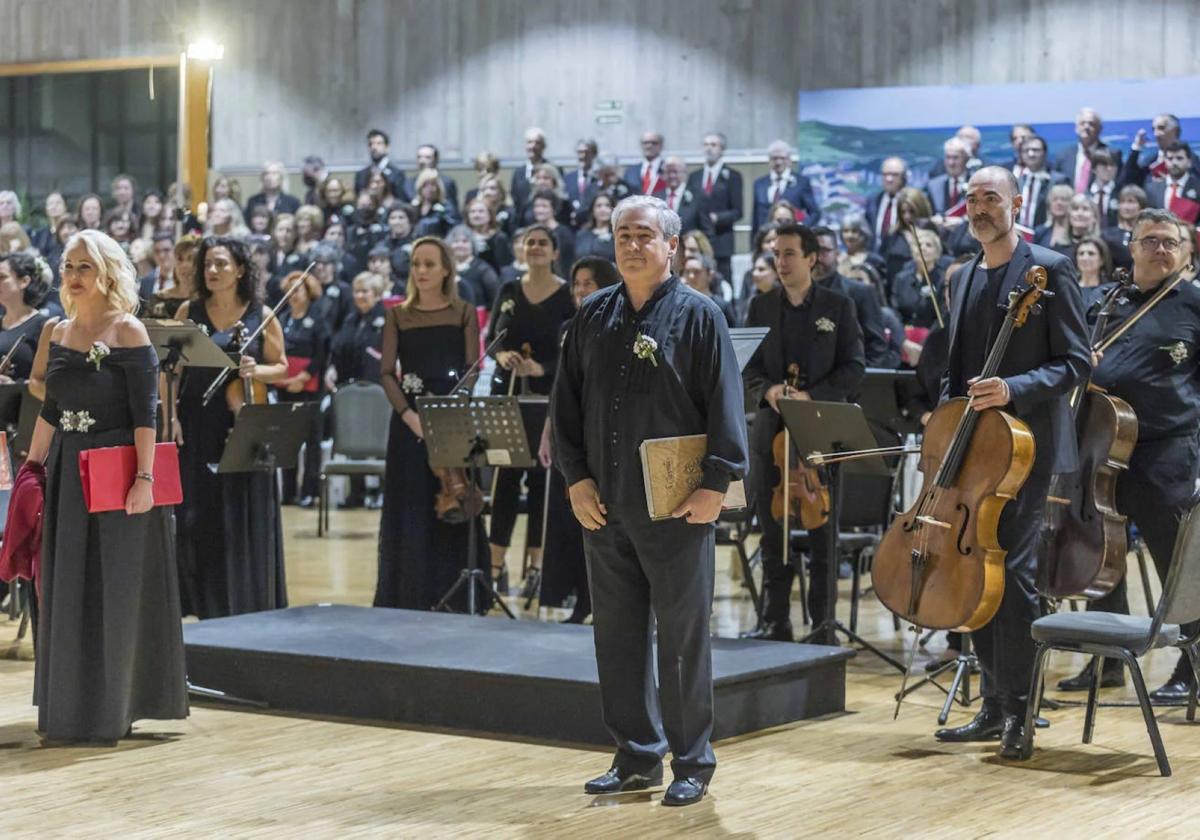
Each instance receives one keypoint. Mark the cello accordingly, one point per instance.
(940, 564)
(808, 496)
(1083, 538)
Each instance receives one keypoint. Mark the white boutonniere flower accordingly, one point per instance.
(412, 384)
(1178, 351)
(203, 328)
(824, 325)
(76, 421)
(332, 291)
(687, 196)
(378, 322)
(644, 348)
(98, 353)
(508, 306)
(308, 322)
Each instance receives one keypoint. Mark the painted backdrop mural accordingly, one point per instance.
(844, 135)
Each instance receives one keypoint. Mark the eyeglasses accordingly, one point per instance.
(1152, 243)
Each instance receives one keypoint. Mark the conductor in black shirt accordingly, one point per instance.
(649, 358)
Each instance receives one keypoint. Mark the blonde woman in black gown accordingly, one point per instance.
(109, 643)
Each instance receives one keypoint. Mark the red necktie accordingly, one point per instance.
(1084, 177)
(953, 193)
(645, 179)
(1172, 194)
(775, 191)
(708, 182)
(671, 199)
(582, 183)
(886, 227)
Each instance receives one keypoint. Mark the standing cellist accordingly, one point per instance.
(1046, 359)
(1155, 367)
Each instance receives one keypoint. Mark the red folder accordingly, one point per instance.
(107, 474)
(1186, 209)
(298, 365)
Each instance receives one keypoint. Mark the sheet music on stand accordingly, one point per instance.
(452, 424)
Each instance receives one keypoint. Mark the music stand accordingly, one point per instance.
(266, 437)
(472, 431)
(181, 344)
(745, 342)
(828, 428)
(882, 397)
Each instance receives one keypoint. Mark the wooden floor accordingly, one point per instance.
(231, 773)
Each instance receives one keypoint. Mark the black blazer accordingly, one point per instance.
(1064, 161)
(284, 203)
(725, 200)
(834, 366)
(1046, 358)
(393, 174)
(521, 187)
(688, 210)
(798, 192)
(1156, 191)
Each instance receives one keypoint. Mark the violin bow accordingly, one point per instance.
(937, 310)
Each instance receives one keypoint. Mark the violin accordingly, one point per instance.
(940, 564)
(807, 493)
(245, 390)
(458, 500)
(1083, 541)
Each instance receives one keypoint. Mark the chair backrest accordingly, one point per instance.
(361, 416)
(1180, 601)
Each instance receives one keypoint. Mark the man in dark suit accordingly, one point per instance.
(782, 183)
(1145, 165)
(719, 189)
(971, 137)
(947, 191)
(877, 349)
(814, 351)
(678, 197)
(1103, 190)
(1017, 135)
(522, 177)
(608, 180)
(577, 181)
(1179, 192)
(162, 277)
(274, 195)
(313, 172)
(377, 147)
(427, 158)
(646, 177)
(1048, 358)
(1075, 162)
(1035, 182)
(881, 211)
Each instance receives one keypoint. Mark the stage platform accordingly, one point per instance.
(524, 679)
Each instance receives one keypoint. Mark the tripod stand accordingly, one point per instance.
(963, 665)
(827, 428)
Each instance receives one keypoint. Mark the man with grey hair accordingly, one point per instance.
(649, 358)
(719, 190)
(947, 191)
(782, 183)
(646, 176)
(274, 195)
(522, 177)
(677, 195)
(972, 138)
(1075, 162)
(1146, 165)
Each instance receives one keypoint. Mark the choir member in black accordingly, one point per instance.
(648, 359)
(435, 215)
(22, 292)
(429, 342)
(1131, 200)
(477, 280)
(306, 340)
(564, 567)
(335, 302)
(494, 247)
(542, 207)
(816, 341)
(1046, 359)
(879, 353)
(595, 238)
(1094, 265)
(400, 221)
(912, 296)
(1155, 367)
(699, 273)
(379, 263)
(159, 277)
(229, 531)
(378, 144)
(355, 355)
(165, 302)
(531, 309)
(109, 641)
(517, 268)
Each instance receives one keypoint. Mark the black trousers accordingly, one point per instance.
(1156, 490)
(643, 571)
(507, 500)
(1005, 644)
(778, 577)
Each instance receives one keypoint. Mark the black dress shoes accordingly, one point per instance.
(771, 631)
(1112, 675)
(617, 780)
(1012, 740)
(986, 726)
(1176, 692)
(686, 791)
